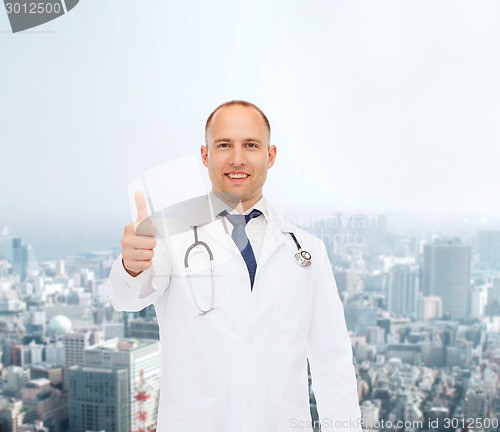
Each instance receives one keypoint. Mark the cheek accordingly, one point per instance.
(262, 167)
(216, 173)
(215, 163)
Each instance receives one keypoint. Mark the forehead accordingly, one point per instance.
(238, 121)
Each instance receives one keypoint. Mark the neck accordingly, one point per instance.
(235, 203)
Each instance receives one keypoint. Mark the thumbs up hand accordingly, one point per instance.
(138, 240)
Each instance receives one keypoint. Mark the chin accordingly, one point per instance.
(229, 196)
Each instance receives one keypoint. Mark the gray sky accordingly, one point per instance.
(374, 106)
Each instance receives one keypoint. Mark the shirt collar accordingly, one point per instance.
(259, 205)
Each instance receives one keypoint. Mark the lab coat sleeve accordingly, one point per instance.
(330, 355)
(132, 294)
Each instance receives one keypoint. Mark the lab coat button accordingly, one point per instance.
(249, 405)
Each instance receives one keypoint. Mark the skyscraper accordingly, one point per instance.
(99, 399)
(447, 274)
(360, 316)
(402, 290)
(143, 363)
(488, 245)
(478, 301)
(74, 346)
(476, 402)
(23, 259)
(494, 291)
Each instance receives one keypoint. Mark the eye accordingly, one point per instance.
(252, 145)
(223, 145)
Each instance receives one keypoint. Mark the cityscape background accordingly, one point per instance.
(385, 115)
(422, 310)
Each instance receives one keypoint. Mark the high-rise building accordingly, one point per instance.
(113, 330)
(74, 346)
(447, 275)
(20, 356)
(476, 403)
(429, 308)
(375, 335)
(49, 404)
(402, 290)
(17, 377)
(494, 291)
(36, 321)
(99, 399)
(478, 301)
(53, 373)
(359, 317)
(143, 361)
(142, 328)
(23, 259)
(54, 353)
(433, 353)
(347, 280)
(459, 355)
(12, 415)
(36, 352)
(488, 245)
(148, 312)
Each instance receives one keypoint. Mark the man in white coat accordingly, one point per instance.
(236, 335)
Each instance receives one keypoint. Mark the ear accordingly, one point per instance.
(204, 155)
(271, 156)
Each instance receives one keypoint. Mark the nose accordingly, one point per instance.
(237, 157)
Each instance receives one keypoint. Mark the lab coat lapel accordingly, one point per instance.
(216, 232)
(274, 236)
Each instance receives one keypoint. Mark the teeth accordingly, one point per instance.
(238, 176)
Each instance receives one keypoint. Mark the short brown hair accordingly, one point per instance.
(236, 102)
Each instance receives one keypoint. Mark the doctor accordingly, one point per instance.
(236, 333)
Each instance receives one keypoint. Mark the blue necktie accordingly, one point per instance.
(242, 242)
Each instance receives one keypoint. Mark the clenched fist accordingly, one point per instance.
(137, 250)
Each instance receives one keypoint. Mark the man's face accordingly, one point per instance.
(238, 155)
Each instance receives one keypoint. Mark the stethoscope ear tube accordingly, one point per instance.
(186, 265)
(195, 244)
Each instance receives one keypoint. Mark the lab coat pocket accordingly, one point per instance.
(293, 418)
(196, 416)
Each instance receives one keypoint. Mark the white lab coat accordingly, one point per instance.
(242, 367)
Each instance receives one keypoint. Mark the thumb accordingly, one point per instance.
(143, 225)
(142, 207)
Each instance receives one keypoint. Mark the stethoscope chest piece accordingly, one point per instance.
(303, 258)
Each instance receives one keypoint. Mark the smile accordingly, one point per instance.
(237, 175)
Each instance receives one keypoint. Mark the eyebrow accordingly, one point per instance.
(230, 140)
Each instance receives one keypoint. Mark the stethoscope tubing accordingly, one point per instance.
(302, 258)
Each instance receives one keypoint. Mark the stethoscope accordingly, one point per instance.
(302, 258)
